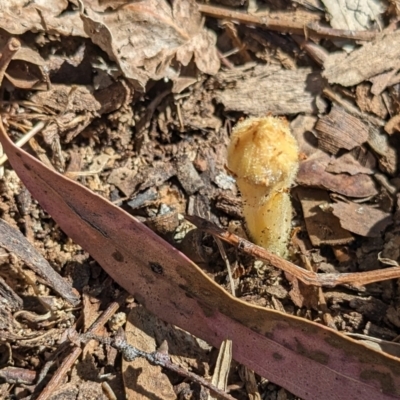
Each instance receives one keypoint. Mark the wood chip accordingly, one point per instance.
(323, 228)
(8, 297)
(258, 90)
(111, 98)
(188, 177)
(371, 59)
(393, 125)
(370, 103)
(130, 182)
(350, 164)
(302, 128)
(312, 172)
(362, 219)
(13, 240)
(382, 81)
(222, 367)
(380, 143)
(142, 379)
(340, 130)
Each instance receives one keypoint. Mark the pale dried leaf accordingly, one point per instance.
(392, 348)
(353, 15)
(19, 16)
(146, 37)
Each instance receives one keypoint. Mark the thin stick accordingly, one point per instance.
(281, 22)
(28, 136)
(308, 277)
(227, 263)
(286, 22)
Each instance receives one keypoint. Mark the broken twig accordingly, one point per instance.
(307, 277)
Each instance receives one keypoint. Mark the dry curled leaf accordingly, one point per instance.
(146, 38)
(19, 16)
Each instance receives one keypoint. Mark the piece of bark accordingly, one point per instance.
(340, 130)
(362, 219)
(18, 375)
(393, 125)
(129, 182)
(188, 177)
(388, 154)
(142, 379)
(124, 179)
(323, 228)
(371, 59)
(111, 98)
(382, 81)
(369, 102)
(261, 89)
(9, 297)
(362, 162)
(303, 295)
(229, 205)
(312, 173)
(143, 198)
(164, 224)
(302, 128)
(14, 242)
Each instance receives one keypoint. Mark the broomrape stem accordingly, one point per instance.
(263, 157)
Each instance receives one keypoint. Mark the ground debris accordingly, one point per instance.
(16, 243)
(176, 32)
(322, 227)
(312, 172)
(138, 100)
(340, 130)
(362, 219)
(358, 161)
(364, 63)
(261, 89)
